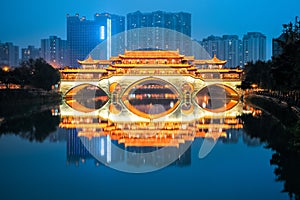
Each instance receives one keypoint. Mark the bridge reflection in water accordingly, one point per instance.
(109, 141)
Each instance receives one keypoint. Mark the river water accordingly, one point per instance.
(41, 158)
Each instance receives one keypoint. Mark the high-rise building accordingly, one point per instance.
(232, 47)
(159, 30)
(214, 46)
(254, 47)
(54, 50)
(9, 54)
(227, 47)
(30, 53)
(118, 34)
(84, 35)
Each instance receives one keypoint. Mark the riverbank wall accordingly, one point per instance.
(279, 109)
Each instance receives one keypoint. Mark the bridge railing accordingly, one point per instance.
(93, 77)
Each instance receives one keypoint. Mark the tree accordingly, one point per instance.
(22, 75)
(258, 73)
(286, 67)
(43, 75)
(6, 77)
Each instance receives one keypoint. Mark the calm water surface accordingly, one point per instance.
(238, 167)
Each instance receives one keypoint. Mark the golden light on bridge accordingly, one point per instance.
(151, 85)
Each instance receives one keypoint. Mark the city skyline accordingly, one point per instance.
(208, 18)
(159, 30)
(84, 34)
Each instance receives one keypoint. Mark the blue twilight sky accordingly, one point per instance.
(25, 22)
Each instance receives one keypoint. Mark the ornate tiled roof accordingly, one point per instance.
(151, 54)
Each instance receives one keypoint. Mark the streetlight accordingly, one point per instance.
(6, 68)
(5, 76)
(254, 86)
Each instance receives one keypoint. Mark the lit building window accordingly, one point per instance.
(102, 33)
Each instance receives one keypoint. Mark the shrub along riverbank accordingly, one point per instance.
(14, 102)
(280, 110)
(284, 115)
(25, 96)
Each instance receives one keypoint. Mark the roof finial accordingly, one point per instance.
(90, 59)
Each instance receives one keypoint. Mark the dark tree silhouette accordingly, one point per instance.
(258, 73)
(286, 67)
(37, 73)
(22, 76)
(43, 75)
(6, 77)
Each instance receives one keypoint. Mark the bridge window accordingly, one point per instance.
(217, 98)
(151, 98)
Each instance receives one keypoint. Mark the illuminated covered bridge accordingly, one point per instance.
(149, 85)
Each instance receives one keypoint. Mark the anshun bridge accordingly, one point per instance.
(151, 98)
(133, 83)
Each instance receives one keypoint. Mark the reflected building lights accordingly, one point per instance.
(138, 137)
(102, 147)
(108, 150)
(133, 140)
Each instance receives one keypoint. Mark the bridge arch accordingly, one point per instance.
(151, 98)
(217, 98)
(86, 98)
